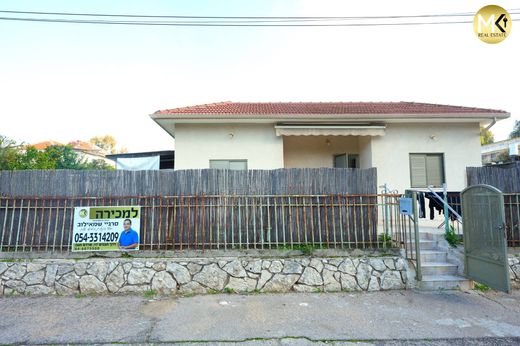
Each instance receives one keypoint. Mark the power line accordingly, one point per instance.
(461, 14)
(230, 21)
(158, 23)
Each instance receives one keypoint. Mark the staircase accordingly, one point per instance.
(437, 272)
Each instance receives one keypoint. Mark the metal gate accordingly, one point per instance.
(484, 236)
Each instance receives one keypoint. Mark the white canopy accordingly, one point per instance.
(329, 130)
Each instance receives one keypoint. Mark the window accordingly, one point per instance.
(427, 170)
(346, 161)
(228, 164)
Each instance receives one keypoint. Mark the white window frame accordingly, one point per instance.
(228, 161)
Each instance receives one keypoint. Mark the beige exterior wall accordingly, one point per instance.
(365, 152)
(460, 144)
(196, 144)
(316, 151)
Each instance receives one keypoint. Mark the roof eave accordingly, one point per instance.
(371, 116)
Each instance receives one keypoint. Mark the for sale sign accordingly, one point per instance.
(106, 228)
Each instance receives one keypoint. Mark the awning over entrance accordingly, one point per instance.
(330, 130)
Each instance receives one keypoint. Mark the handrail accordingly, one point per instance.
(459, 218)
(418, 270)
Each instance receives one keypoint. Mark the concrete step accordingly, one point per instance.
(426, 236)
(428, 244)
(444, 282)
(434, 256)
(438, 268)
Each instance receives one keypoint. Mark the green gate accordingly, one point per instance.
(485, 245)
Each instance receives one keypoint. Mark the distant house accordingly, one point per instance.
(144, 160)
(43, 145)
(411, 144)
(85, 150)
(500, 151)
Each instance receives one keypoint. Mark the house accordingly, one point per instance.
(150, 160)
(43, 145)
(86, 151)
(411, 144)
(500, 151)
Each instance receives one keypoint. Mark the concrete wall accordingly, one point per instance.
(460, 144)
(196, 144)
(316, 151)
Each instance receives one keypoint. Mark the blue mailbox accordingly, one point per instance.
(405, 206)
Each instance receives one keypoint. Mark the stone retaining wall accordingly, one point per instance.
(202, 275)
(514, 270)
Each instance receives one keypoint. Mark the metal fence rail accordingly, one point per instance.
(512, 217)
(216, 222)
(512, 214)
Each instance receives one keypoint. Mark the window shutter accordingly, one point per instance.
(219, 164)
(434, 167)
(238, 165)
(340, 161)
(418, 170)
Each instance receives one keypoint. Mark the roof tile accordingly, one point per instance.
(322, 108)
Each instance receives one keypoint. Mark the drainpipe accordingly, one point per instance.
(492, 124)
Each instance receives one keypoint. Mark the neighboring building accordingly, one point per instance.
(43, 145)
(411, 144)
(501, 151)
(85, 150)
(145, 160)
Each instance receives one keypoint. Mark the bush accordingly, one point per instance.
(385, 240)
(452, 238)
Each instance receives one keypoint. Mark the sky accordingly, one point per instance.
(74, 81)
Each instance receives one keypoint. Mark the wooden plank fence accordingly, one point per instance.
(74, 183)
(212, 222)
(197, 209)
(506, 178)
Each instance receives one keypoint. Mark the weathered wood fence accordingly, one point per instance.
(73, 183)
(198, 208)
(506, 178)
(212, 222)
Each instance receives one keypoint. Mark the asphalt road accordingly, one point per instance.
(380, 318)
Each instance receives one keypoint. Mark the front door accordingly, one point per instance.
(485, 245)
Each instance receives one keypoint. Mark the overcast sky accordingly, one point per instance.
(74, 81)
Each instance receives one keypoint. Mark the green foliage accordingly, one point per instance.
(503, 157)
(452, 238)
(481, 287)
(106, 142)
(20, 157)
(150, 294)
(385, 240)
(306, 249)
(8, 152)
(486, 136)
(228, 290)
(516, 130)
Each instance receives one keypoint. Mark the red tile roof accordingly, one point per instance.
(45, 144)
(325, 108)
(84, 146)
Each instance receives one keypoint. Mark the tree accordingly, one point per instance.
(63, 157)
(516, 130)
(486, 136)
(106, 142)
(8, 153)
(17, 157)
